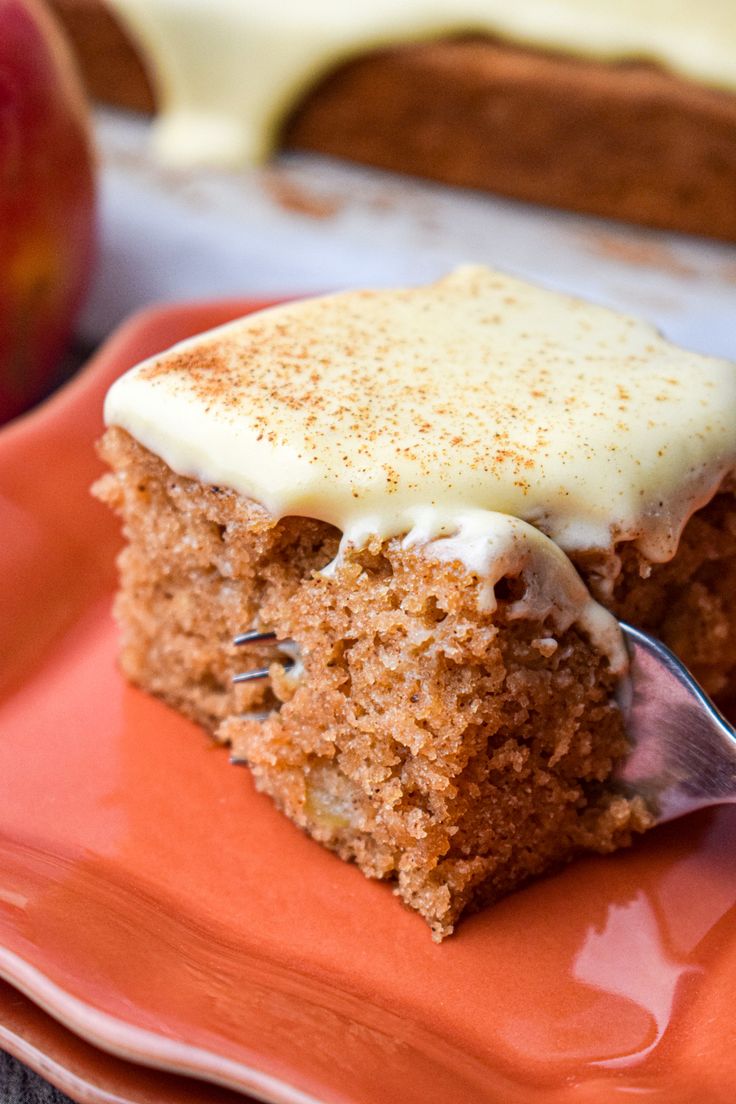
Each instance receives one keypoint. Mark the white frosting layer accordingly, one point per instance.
(385, 411)
(443, 414)
(227, 72)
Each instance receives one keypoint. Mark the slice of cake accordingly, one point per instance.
(418, 505)
(624, 110)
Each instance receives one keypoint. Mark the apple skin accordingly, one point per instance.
(47, 201)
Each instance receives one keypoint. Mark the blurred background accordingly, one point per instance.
(615, 125)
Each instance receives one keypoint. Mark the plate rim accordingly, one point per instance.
(100, 1029)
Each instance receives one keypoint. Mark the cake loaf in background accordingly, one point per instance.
(626, 110)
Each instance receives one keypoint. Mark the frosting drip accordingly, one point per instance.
(228, 72)
(493, 546)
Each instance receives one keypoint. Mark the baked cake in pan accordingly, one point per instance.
(620, 109)
(435, 499)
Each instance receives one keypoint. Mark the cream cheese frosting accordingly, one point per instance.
(227, 72)
(382, 412)
(442, 414)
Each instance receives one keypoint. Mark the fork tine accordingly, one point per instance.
(251, 676)
(253, 636)
(261, 672)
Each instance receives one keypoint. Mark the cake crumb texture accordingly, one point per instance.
(452, 752)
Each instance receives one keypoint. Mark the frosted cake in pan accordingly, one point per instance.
(623, 109)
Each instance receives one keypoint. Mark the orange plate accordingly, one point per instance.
(85, 1073)
(160, 908)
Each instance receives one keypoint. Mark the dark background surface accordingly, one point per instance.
(19, 1085)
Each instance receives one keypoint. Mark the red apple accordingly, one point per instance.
(47, 201)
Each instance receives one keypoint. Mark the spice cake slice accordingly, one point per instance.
(429, 496)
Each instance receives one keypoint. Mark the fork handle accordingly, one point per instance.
(684, 750)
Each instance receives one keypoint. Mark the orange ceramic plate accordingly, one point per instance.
(160, 908)
(86, 1074)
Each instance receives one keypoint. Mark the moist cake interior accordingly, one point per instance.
(454, 756)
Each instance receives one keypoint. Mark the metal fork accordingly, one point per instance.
(683, 756)
(684, 751)
(254, 636)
